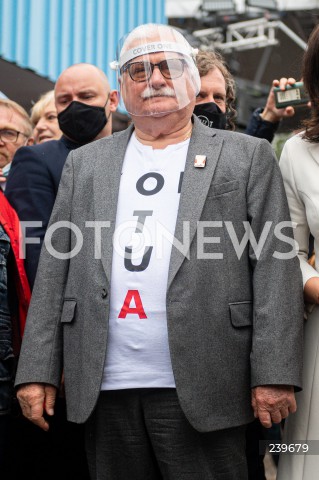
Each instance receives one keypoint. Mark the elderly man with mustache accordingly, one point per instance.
(170, 339)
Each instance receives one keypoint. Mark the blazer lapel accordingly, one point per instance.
(196, 183)
(107, 178)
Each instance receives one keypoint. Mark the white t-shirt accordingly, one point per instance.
(137, 350)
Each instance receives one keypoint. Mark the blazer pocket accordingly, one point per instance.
(222, 188)
(68, 311)
(241, 314)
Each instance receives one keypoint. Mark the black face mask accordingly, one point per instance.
(211, 115)
(81, 122)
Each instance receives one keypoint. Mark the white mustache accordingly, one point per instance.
(161, 92)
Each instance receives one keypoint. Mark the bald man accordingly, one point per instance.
(85, 104)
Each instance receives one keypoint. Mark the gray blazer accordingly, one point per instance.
(232, 323)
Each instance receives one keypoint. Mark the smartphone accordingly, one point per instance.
(293, 95)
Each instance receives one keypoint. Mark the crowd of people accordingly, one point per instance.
(155, 320)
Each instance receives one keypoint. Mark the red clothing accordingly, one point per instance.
(11, 225)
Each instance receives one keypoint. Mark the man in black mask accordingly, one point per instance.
(85, 104)
(215, 103)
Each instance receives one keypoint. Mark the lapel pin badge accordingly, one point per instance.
(200, 161)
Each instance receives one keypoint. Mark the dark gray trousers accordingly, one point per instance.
(143, 434)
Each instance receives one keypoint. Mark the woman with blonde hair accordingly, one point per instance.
(45, 119)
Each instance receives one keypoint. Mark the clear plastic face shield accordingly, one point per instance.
(156, 71)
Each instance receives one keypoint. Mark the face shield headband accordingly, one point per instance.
(154, 47)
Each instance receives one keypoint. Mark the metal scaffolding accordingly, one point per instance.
(250, 34)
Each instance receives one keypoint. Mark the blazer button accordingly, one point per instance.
(104, 293)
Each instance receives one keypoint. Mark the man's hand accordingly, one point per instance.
(36, 399)
(271, 113)
(273, 403)
(311, 290)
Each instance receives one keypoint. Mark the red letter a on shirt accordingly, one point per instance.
(137, 310)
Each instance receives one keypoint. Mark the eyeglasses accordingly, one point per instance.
(10, 136)
(142, 71)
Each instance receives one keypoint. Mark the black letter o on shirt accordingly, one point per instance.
(140, 183)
